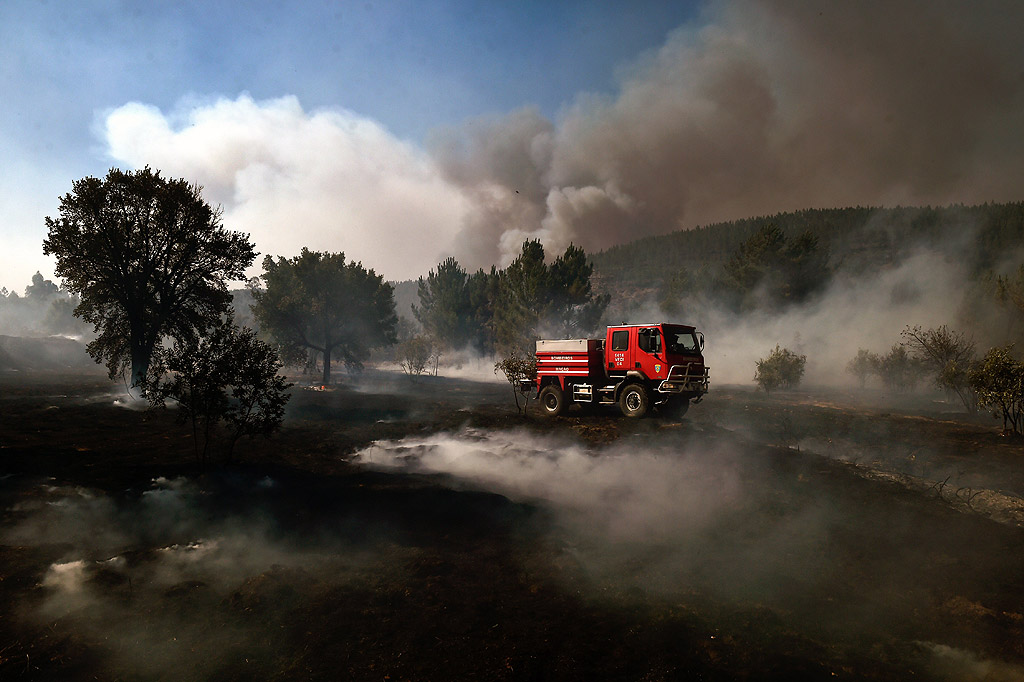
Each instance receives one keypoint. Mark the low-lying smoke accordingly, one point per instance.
(679, 517)
(162, 578)
(457, 364)
(625, 494)
(855, 312)
(649, 497)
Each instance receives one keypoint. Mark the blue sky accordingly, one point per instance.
(411, 66)
(402, 132)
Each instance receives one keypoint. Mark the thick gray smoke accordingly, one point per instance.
(768, 106)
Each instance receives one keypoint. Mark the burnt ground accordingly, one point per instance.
(810, 535)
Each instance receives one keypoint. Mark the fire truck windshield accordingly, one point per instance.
(680, 341)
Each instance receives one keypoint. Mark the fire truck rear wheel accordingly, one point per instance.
(552, 401)
(634, 401)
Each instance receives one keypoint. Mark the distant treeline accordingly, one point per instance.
(856, 239)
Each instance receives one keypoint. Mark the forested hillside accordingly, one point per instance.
(854, 238)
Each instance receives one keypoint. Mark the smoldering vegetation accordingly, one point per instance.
(38, 330)
(853, 312)
(733, 543)
(727, 527)
(914, 441)
(44, 310)
(187, 578)
(43, 353)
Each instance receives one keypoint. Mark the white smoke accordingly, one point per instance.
(631, 492)
(958, 665)
(853, 313)
(328, 179)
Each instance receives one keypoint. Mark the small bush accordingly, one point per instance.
(862, 365)
(227, 376)
(781, 369)
(900, 370)
(998, 381)
(521, 371)
(416, 354)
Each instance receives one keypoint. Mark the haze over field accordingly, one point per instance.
(304, 476)
(401, 135)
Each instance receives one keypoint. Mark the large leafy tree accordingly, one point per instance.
(521, 299)
(482, 289)
(318, 300)
(41, 289)
(149, 258)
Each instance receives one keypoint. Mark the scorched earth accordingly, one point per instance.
(381, 536)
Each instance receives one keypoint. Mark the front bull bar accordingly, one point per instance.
(689, 378)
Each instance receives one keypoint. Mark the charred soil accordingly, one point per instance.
(806, 536)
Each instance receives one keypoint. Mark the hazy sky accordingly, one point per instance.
(403, 132)
(406, 67)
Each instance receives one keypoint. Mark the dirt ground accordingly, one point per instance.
(426, 531)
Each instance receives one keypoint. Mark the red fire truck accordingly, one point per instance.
(637, 366)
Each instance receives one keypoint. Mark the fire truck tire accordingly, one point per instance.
(676, 408)
(551, 400)
(633, 401)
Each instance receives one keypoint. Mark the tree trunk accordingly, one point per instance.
(327, 366)
(141, 352)
(139, 368)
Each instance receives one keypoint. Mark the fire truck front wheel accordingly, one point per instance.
(552, 401)
(675, 408)
(634, 401)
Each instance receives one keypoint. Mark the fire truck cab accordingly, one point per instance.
(636, 366)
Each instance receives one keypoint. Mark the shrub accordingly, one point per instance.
(521, 371)
(781, 369)
(949, 356)
(416, 354)
(227, 375)
(998, 381)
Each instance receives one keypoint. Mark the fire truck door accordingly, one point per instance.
(650, 353)
(619, 354)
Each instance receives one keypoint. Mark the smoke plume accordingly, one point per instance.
(765, 107)
(757, 107)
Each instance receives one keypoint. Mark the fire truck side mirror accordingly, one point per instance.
(700, 341)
